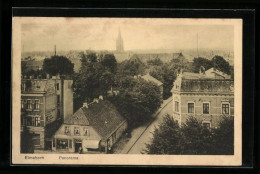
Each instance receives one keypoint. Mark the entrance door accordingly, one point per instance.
(77, 146)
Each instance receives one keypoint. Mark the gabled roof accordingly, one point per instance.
(218, 72)
(150, 78)
(102, 116)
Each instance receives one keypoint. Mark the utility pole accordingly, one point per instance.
(54, 50)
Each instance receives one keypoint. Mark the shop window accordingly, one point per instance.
(70, 144)
(225, 109)
(191, 108)
(67, 130)
(76, 131)
(62, 144)
(176, 106)
(205, 108)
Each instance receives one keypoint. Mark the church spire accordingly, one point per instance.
(119, 42)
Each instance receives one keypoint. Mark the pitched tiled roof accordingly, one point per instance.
(39, 85)
(78, 118)
(102, 116)
(150, 78)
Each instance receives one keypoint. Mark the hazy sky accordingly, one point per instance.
(101, 34)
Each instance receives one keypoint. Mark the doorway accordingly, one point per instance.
(77, 146)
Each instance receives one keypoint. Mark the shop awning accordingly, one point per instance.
(92, 144)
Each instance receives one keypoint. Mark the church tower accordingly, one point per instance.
(119, 43)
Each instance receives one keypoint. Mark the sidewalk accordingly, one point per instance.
(137, 132)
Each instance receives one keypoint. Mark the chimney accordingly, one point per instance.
(101, 97)
(31, 77)
(58, 76)
(85, 104)
(95, 100)
(47, 76)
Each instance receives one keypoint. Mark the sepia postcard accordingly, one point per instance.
(127, 91)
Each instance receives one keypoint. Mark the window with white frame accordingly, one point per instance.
(76, 131)
(225, 108)
(206, 124)
(176, 106)
(67, 130)
(37, 104)
(191, 108)
(33, 121)
(205, 108)
(29, 104)
(85, 130)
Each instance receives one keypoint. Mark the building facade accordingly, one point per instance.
(45, 103)
(95, 128)
(203, 97)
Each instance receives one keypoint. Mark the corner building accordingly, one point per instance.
(45, 103)
(203, 97)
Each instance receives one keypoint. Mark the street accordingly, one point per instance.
(142, 135)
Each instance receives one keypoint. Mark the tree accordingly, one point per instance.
(133, 66)
(58, 65)
(198, 62)
(87, 85)
(197, 139)
(155, 62)
(109, 61)
(166, 74)
(166, 138)
(221, 64)
(224, 137)
(138, 101)
(192, 138)
(94, 78)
